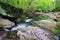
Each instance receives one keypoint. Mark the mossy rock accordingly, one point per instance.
(57, 30)
(41, 17)
(57, 18)
(58, 24)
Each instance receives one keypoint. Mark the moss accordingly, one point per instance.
(58, 19)
(52, 39)
(56, 31)
(58, 24)
(41, 17)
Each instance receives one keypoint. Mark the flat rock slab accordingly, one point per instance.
(34, 33)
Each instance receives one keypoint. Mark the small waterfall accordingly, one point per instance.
(22, 25)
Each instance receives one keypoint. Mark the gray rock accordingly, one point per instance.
(48, 24)
(51, 15)
(33, 33)
(6, 23)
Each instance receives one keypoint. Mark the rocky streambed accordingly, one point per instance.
(26, 31)
(43, 26)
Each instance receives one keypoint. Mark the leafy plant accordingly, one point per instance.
(58, 19)
(42, 5)
(56, 31)
(29, 6)
(57, 3)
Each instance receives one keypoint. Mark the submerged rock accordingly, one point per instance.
(34, 33)
(4, 23)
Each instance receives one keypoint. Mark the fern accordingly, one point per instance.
(41, 5)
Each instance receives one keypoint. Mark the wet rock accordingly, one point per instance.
(2, 33)
(33, 33)
(6, 23)
(1, 29)
(9, 35)
(48, 24)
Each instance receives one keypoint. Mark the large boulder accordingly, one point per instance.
(51, 15)
(34, 33)
(48, 24)
(6, 23)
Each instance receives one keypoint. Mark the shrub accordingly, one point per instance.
(41, 5)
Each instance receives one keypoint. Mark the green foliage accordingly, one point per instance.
(2, 11)
(57, 3)
(56, 31)
(40, 17)
(46, 5)
(58, 19)
(30, 6)
(41, 5)
(3, 1)
(58, 24)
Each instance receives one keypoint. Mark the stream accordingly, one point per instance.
(22, 25)
(25, 24)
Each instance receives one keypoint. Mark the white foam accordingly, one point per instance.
(28, 20)
(19, 26)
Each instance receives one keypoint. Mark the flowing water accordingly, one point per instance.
(22, 25)
(25, 24)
